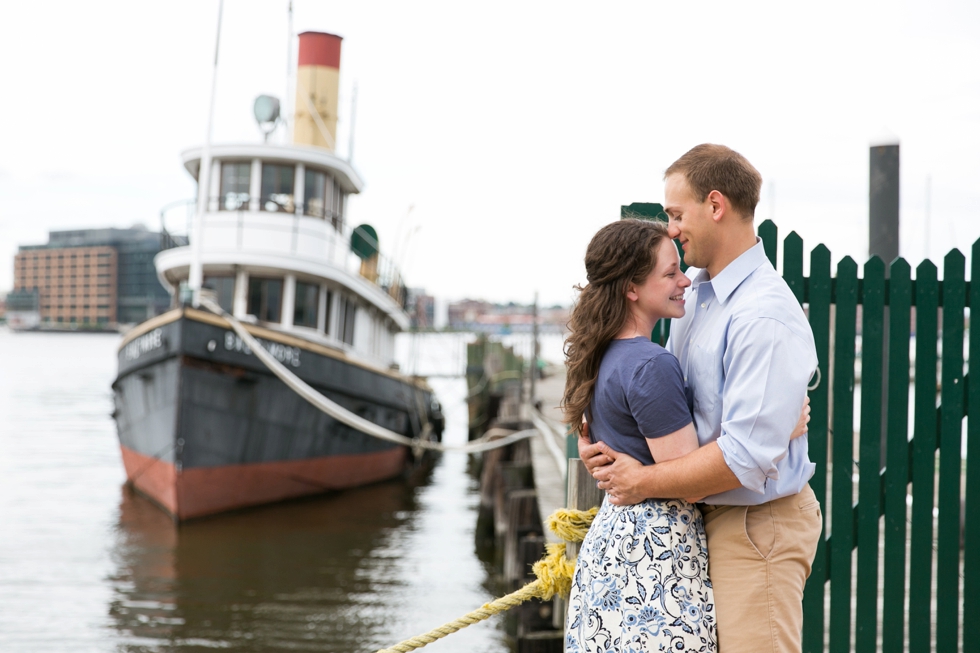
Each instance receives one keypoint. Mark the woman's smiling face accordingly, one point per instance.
(661, 295)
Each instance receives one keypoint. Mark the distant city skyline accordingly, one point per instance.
(495, 140)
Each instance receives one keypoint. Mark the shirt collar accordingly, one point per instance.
(726, 281)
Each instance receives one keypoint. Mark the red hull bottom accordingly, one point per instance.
(201, 491)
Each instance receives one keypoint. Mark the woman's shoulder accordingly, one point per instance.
(631, 356)
(638, 349)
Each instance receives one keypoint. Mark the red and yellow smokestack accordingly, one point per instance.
(317, 87)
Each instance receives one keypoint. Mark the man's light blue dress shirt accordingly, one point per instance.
(747, 353)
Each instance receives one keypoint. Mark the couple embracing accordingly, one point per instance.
(714, 418)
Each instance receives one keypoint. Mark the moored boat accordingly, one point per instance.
(203, 425)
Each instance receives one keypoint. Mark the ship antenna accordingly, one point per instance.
(353, 116)
(287, 109)
(196, 274)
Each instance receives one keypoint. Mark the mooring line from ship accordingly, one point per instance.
(341, 414)
(554, 576)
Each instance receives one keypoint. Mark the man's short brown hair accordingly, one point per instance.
(709, 167)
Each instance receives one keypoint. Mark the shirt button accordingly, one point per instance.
(703, 305)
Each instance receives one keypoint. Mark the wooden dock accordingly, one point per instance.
(522, 484)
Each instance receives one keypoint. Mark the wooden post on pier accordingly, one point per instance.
(582, 495)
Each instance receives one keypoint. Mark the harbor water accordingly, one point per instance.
(86, 565)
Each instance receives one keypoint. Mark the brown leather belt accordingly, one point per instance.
(706, 508)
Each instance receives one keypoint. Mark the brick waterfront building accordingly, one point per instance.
(91, 278)
(74, 285)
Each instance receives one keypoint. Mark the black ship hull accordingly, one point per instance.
(205, 427)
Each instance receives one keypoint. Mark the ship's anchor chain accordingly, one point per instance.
(492, 439)
(554, 576)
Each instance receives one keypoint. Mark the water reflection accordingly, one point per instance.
(308, 575)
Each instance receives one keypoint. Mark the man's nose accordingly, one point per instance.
(672, 231)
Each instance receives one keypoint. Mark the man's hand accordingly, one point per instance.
(591, 454)
(801, 425)
(623, 478)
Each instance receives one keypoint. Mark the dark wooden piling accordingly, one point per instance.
(509, 524)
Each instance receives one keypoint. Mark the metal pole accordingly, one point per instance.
(534, 349)
(883, 239)
(287, 114)
(196, 274)
(928, 216)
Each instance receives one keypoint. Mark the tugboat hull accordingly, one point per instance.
(204, 427)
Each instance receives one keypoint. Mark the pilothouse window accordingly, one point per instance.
(324, 198)
(277, 187)
(234, 186)
(307, 303)
(315, 188)
(347, 312)
(265, 299)
(224, 288)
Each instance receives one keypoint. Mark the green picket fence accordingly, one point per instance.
(914, 609)
(866, 498)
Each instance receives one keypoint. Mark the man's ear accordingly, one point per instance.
(719, 205)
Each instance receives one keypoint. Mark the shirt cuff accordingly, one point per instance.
(736, 457)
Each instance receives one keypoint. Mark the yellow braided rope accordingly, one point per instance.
(554, 573)
(571, 525)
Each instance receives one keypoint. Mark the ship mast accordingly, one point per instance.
(196, 273)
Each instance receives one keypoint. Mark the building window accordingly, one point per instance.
(235, 178)
(224, 288)
(265, 299)
(307, 303)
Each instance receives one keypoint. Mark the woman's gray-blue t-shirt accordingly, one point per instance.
(639, 394)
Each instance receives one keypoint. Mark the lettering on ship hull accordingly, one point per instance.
(283, 353)
(143, 345)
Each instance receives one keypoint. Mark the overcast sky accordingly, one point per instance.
(514, 129)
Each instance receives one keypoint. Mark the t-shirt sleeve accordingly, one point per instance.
(656, 397)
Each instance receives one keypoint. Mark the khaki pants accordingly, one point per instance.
(759, 558)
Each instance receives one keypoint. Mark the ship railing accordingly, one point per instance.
(294, 234)
(383, 270)
(175, 223)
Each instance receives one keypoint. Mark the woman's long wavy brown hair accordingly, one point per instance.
(620, 253)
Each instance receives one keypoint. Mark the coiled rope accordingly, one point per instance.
(493, 439)
(554, 576)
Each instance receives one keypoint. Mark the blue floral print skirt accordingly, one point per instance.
(641, 582)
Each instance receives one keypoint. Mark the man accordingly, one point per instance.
(747, 354)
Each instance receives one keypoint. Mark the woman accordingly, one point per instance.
(641, 581)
